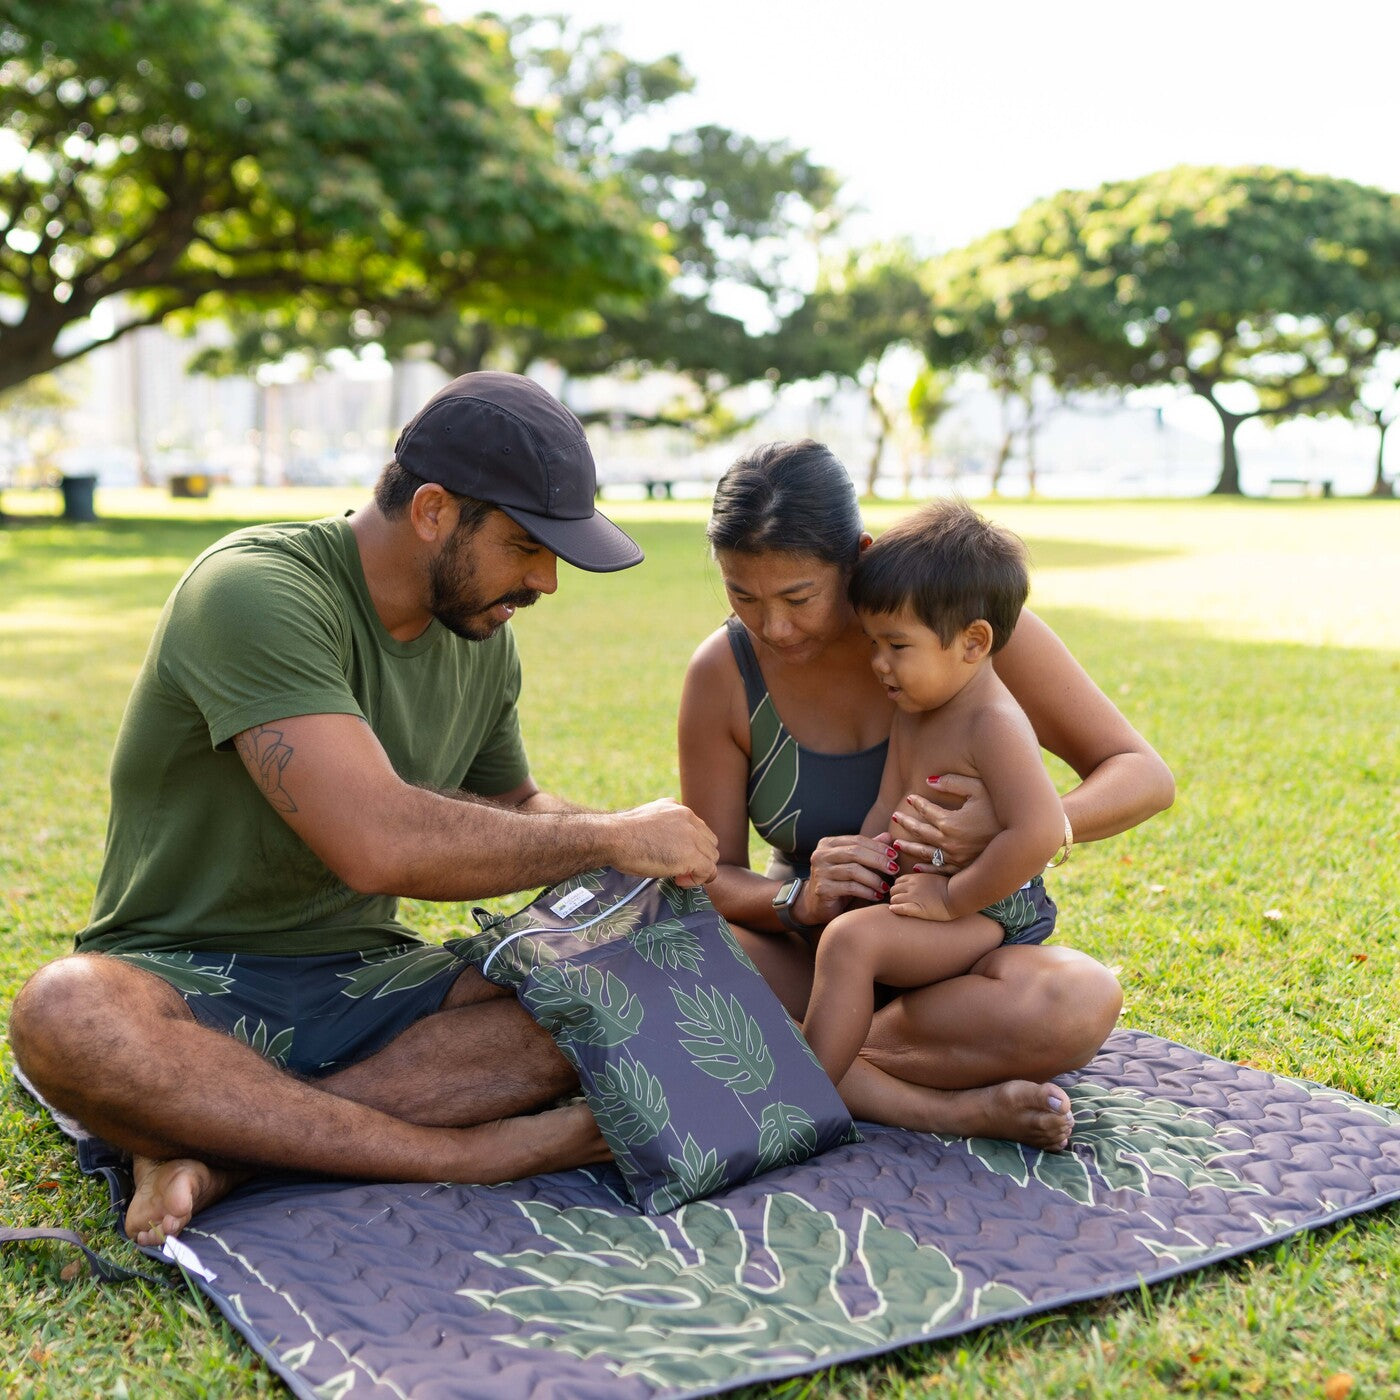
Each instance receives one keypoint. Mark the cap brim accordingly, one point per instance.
(594, 543)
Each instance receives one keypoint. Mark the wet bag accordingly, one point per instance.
(698, 1077)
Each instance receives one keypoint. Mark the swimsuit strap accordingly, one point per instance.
(755, 690)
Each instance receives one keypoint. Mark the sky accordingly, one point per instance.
(947, 120)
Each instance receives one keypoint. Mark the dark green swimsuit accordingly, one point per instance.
(798, 795)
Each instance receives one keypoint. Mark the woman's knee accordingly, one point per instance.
(1064, 999)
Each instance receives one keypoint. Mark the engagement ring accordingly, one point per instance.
(937, 858)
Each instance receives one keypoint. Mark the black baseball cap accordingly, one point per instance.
(503, 439)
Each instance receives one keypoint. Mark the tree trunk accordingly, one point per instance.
(882, 432)
(465, 351)
(1003, 456)
(1229, 482)
(138, 411)
(1381, 489)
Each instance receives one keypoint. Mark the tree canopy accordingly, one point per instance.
(867, 303)
(736, 214)
(1267, 292)
(345, 156)
(739, 211)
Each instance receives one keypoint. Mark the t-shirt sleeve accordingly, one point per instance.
(251, 637)
(500, 763)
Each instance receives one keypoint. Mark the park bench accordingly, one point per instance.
(656, 487)
(1300, 485)
(659, 480)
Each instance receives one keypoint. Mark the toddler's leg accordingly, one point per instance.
(842, 1004)
(865, 946)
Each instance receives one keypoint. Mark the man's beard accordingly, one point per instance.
(453, 598)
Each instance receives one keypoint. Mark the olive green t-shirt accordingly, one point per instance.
(271, 622)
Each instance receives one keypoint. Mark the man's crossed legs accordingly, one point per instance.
(454, 1096)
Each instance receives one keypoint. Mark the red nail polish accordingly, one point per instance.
(884, 888)
(891, 852)
(895, 849)
(936, 778)
(893, 867)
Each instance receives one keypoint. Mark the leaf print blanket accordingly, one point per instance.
(558, 1286)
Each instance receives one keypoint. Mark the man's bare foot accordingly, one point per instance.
(1017, 1111)
(167, 1195)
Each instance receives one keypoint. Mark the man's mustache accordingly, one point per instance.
(521, 598)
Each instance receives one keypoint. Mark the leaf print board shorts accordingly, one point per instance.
(1028, 916)
(310, 1015)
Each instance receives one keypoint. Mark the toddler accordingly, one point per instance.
(939, 594)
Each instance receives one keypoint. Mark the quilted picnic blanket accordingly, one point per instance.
(558, 1287)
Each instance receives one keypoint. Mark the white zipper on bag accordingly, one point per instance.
(574, 928)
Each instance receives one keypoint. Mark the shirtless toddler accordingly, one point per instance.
(939, 594)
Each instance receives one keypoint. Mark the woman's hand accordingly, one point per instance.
(922, 826)
(846, 868)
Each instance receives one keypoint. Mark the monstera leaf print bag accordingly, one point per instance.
(697, 1076)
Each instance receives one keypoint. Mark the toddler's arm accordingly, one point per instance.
(1007, 759)
(892, 784)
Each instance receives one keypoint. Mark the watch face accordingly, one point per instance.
(787, 894)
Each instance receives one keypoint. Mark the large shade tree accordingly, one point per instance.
(585, 91)
(738, 217)
(350, 157)
(744, 216)
(1267, 292)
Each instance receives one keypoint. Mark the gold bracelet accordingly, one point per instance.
(1062, 855)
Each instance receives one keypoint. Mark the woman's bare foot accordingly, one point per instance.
(1018, 1111)
(167, 1194)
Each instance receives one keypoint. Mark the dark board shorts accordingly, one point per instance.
(310, 1015)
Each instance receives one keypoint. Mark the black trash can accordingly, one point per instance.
(78, 497)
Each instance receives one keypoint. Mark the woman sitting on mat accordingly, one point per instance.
(783, 723)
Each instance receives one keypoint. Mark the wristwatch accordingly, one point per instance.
(786, 900)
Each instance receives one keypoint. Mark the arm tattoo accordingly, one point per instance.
(266, 757)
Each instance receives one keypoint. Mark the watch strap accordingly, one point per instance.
(788, 919)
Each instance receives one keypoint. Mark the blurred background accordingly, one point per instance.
(1087, 251)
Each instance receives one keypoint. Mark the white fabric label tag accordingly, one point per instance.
(575, 899)
(183, 1255)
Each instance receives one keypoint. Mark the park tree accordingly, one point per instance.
(929, 399)
(1377, 405)
(865, 309)
(741, 214)
(350, 158)
(1267, 292)
(584, 91)
(964, 331)
(737, 214)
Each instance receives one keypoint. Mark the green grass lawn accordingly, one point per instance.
(1256, 643)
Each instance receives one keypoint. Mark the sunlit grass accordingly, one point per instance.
(1257, 644)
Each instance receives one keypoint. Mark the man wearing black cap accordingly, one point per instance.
(326, 722)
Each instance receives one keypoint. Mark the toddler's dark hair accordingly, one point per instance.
(948, 566)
